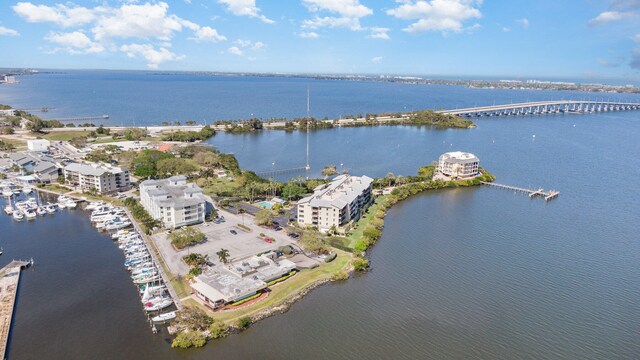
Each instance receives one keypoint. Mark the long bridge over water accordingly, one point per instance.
(543, 108)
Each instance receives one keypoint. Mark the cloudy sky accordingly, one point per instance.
(545, 38)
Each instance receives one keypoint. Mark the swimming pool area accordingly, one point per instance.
(265, 204)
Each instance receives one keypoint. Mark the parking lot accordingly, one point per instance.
(242, 244)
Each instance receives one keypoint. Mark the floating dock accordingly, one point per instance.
(547, 195)
(9, 280)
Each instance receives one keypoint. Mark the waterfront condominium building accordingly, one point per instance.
(173, 201)
(336, 203)
(101, 178)
(459, 164)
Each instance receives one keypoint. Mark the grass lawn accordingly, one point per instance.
(356, 233)
(219, 186)
(64, 135)
(18, 143)
(56, 188)
(283, 290)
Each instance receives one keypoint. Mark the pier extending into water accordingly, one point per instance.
(547, 195)
(543, 108)
(83, 118)
(9, 280)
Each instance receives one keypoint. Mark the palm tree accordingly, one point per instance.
(223, 255)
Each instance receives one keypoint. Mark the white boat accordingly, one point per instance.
(8, 209)
(17, 215)
(61, 205)
(27, 190)
(118, 225)
(146, 279)
(50, 209)
(7, 192)
(153, 289)
(164, 317)
(71, 204)
(94, 205)
(40, 211)
(159, 305)
(30, 214)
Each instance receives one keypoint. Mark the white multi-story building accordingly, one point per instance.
(336, 203)
(459, 164)
(173, 201)
(101, 178)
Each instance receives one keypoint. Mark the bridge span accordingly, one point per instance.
(542, 108)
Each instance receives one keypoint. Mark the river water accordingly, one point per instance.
(464, 273)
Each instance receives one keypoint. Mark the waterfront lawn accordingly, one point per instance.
(219, 186)
(57, 188)
(63, 135)
(355, 233)
(284, 290)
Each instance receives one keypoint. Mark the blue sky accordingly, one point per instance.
(560, 39)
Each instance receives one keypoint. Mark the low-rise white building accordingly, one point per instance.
(173, 201)
(224, 284)
(336, 203)
(38, 145)
(101, 178)
(459, 164)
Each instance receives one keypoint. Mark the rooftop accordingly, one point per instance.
(458, 157)
(340, 192)
(176, 190)
(93, 169)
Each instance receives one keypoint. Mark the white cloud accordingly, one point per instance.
(107, 25)
(505, 29)
(137, 21)
(346, 8)
(245, 8)
(209, 34)
(153, 56)
(377, 59)
(524, 22)
(4, 31)
(235, 51)
(309, 35)
(58, 14)
(248, 44)
(436, 15)
(379, 33)
(637, 38)
(332, 22)
(343, 14)
(74, 43)
(609, 16)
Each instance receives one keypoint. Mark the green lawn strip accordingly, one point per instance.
(356, 234)
(284, 290)
(64, 135)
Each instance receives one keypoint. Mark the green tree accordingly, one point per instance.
(175, 166)
(223, 255)
(263, 217)
(293, 191)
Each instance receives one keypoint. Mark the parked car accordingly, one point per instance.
(233, 232)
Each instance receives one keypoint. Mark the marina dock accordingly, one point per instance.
(547, 195)
(152, 251)
(9, 280)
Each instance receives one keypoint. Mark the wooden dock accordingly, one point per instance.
(9, 280)
(547, 195)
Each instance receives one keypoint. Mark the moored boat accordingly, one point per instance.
(164, 317)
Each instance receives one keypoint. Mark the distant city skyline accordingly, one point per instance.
(573, 39)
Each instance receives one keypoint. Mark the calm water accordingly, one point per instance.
(466, 273)
(147, 98)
